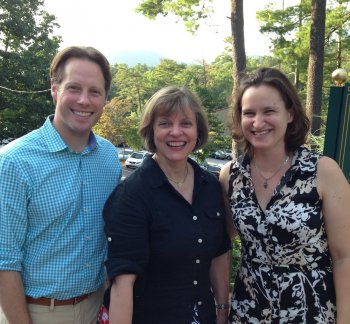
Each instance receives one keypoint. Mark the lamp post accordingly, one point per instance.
(339, 76)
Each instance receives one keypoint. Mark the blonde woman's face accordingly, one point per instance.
(175, 135)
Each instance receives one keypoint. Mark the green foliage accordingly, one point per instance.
(190, 11)
(119, 124)
(316, 142)
(132, 137)
(133, 86)
(289, 31)
(236, 259)
(113, 124)
(130, 84)
(26, 49)
(216, 138)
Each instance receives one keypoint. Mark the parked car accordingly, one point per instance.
(212, 168)
(219, 154)
(125, 153)
(136, 158)
(228, 154)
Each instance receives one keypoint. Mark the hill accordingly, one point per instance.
(132, 58)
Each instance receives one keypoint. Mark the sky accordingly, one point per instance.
(113, 26)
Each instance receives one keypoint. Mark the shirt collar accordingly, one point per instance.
(156, 177)
(54, 141)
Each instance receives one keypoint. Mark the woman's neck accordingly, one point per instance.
(268, 160)
(175, 170)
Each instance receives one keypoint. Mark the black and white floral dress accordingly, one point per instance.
(286, 272)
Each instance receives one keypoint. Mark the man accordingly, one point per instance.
(54, 183)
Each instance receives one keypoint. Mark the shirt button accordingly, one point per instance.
(109, 239)
(194, 217)
(199, 303)
(198, 261)
(195, 282)
(200, 240)
(88, 238)
(218, 214)
(88, 264)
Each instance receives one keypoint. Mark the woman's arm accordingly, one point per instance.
(219, 279)
(335, 193)
(126, 228)
(224, 181)
(121, 303)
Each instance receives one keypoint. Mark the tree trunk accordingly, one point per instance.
(238, 52)
(238, 47)
(315, 67)
(339, 57)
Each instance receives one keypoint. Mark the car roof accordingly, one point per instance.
(140, 152)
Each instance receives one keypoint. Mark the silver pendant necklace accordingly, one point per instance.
(265, 184)
(180, 183)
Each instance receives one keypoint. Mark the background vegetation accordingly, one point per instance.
(27, 45)
(309, 41)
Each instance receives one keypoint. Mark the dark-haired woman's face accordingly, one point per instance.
(264, 118)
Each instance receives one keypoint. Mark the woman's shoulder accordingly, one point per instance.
(225, 170)
(229, 169)
(328, 168)
(134, 184)
(131, 191)
(330, 176)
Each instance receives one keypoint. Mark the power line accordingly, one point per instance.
(23, 91)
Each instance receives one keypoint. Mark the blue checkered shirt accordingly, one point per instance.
(51, 202)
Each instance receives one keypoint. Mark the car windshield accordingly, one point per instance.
(136, 155)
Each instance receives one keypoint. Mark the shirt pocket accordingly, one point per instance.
(217, 237)
(213, 213)
(214, 224)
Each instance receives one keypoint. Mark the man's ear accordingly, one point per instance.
(54, 90)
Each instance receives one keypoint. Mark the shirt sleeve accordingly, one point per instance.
(225, 238)
(126, 228)
(225, 243)
(13, 214)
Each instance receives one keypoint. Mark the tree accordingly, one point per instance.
(315, 68)
(130, 84)
(192, 12)
(167, 72)
(27, 46)
(119, 124)
(288, 30)
(337, 38)
(112, 125)
(238, 47)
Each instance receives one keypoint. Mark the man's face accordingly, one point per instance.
(80, 99)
